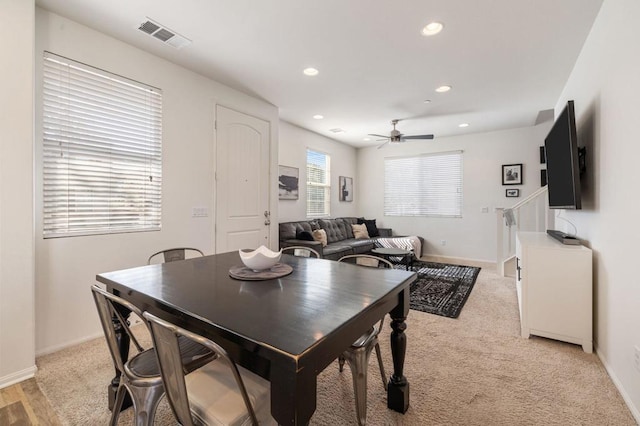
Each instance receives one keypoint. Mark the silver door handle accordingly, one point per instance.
(267, 222)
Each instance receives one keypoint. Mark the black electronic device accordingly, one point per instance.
(564, 238)
(565, 161)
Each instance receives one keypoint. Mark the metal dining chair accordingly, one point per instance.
(301, 251)
(139, 374)
(219, 393)
(357, 355)
(173, 254)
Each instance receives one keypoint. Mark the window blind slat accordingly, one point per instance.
(102, 158)
(426, 185)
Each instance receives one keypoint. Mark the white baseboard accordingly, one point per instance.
(460, 260)
(627, 399)
(18, 376)
(52, 349)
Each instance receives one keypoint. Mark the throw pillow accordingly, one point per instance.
(320, 235)
(372, 229)
(360, 231)
(304, 236)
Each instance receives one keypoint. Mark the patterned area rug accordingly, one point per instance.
(441, 289)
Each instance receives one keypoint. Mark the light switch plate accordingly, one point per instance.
(200, 212)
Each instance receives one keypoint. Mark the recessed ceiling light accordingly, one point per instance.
(463, 125)
(337, 130)
(432, 28)
(310, 71)
(443, 89)
(427, 101)
(366, 139)
(318, 117)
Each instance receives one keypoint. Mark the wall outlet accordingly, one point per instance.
(636, 357)
(443, 242)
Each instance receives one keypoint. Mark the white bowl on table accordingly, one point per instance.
(260, 259)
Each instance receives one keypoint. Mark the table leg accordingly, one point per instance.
(398, 388)
(293, 395)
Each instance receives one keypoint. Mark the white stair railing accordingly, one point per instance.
(529, 214)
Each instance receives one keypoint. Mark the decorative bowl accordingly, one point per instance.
(259, 259)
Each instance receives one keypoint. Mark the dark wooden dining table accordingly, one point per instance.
(287, 330)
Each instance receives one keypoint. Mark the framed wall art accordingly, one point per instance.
(512, 192)
(346, 188)
(512, 174)
(287, 183)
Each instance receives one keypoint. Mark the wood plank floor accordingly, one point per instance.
(23, 404)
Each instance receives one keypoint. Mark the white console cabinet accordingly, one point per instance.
(554, 284)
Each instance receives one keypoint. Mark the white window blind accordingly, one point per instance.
(102, 151)
(318, 184)
(425, 185)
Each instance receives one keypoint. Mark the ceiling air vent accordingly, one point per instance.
(164, 34)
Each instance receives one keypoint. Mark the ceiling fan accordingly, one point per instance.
(396, 137)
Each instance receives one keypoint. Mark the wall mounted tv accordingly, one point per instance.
(565, 162)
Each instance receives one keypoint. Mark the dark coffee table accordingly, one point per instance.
(406, 256)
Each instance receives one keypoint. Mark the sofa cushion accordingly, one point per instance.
(336, 251)
(304, 235)
(359, 246)
(320, 235)
(360, 231)
(289, 230)
(348, 221)
(372, 229)
(336, 229)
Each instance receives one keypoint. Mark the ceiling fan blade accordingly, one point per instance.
(379, 136)
(416, 137)
(380, 146)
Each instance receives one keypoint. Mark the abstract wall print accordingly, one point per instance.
(346, 188)
(287, 183)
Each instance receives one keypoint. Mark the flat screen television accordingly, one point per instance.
(564, 162)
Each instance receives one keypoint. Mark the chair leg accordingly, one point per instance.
(341, 363)
(358, 362)
(145, 402)
(117, 405)
(381, 365)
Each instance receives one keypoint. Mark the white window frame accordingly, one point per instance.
(424, 185)
(315, 184)
(101, 153)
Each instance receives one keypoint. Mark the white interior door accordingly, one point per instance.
(242, 181)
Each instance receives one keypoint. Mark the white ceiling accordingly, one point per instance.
(505, 59)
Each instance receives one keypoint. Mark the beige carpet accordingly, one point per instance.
(474, 370)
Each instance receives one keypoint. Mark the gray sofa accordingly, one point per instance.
(340, 240)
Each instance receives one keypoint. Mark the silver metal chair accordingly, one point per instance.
(301, 251)
(220, 393)
(359, 352)
(173, 254)
(140, 374)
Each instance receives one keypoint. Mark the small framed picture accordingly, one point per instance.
(287, 183)
(346, 188)
(512, 174)
(512, 193)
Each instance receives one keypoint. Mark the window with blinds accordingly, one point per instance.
(102, 151)
(318, 184)
(425, 185)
